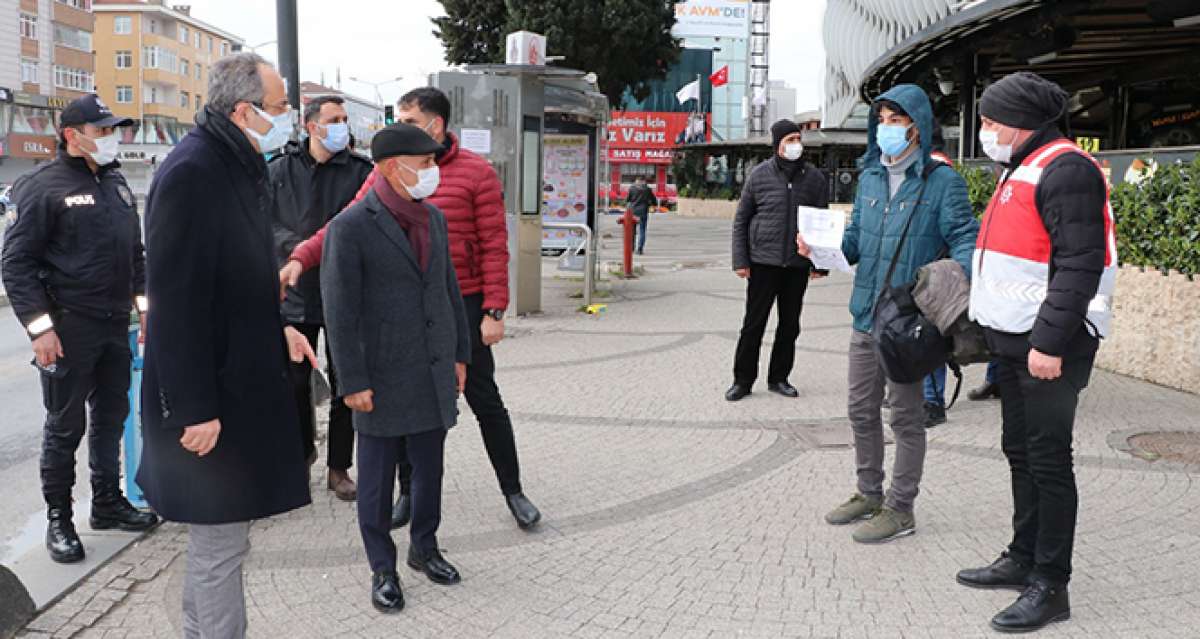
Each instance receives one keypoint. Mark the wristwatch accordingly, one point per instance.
(494, 313)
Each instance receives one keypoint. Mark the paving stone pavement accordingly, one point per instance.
(671, 513)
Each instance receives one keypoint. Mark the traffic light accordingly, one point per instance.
(389, 114)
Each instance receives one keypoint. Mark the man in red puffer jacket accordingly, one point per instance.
(470, 196)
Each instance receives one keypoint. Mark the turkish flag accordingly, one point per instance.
(721, 77)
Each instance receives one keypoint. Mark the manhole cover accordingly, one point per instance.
(1183, 446)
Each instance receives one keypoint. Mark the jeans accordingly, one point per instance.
(97, 359)
(642, 220)
(1039, 418)
(865, 409)
(767, 287)
(935, 387)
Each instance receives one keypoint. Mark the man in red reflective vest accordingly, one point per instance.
(1042, 289)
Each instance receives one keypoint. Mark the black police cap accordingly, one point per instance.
(90, 110)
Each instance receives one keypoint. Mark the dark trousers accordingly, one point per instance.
(770, 286)
(377, 459)
(1039, 417)
(341, 426)
(642, 220)
(483, 396)
(97, 359)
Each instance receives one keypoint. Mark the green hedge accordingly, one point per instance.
(1158, 219)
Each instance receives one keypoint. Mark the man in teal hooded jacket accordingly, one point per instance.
(897, 171)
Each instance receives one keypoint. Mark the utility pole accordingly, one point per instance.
(289, 49)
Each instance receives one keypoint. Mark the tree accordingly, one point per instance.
(626, 43)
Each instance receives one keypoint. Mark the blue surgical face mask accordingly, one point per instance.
(337, 136)
(281, 130)
(892, 138)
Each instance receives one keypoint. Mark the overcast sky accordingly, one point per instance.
(377, 40)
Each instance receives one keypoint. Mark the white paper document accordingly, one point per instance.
(822, 230)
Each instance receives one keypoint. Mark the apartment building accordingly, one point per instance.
(46, 60)
(152, 65)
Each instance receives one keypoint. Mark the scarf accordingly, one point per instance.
(413, 217)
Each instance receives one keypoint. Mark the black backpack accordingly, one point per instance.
(909, 345)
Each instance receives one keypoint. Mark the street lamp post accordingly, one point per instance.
(376, 85)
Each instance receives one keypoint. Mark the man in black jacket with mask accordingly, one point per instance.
(311, 182)
(1044, 273)
(73, 266)
(764, 252)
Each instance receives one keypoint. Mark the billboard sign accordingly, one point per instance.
(656, 130)
(712, 19)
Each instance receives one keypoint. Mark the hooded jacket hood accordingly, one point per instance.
(913, 100)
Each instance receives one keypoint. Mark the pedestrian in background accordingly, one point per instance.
(74, 267)
(900, 186)
(1045, 274)
(641, 200)
(935, 382)
(764, 254)
(471, 198)
(221, 435)
(398, 332)
(311, 181)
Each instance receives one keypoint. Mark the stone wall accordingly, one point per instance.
(714, 209)
(1156, 329)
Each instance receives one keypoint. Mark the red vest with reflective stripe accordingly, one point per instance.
(1012, 254)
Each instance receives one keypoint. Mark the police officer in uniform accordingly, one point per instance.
(74, 267)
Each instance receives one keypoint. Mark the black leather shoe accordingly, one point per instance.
(737, 392)
(386, 595)
(114, 511)
(989, 390)
(523, 510)
(784, 388)
(1005, 572)
(401, 512)
(61, 539)
(435, 566)
(1039, 606)
(934, 414)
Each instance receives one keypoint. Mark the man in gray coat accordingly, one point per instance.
(398, 334)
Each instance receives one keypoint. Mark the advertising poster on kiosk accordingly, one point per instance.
(565, 187)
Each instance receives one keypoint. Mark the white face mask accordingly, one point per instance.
(427, 181)
(990, 140)
(793, 150)
(106, 149)
(279, 133)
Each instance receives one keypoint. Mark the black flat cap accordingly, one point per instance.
(90, 110)
(402, 139)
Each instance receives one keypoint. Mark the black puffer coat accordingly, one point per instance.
(764, 229)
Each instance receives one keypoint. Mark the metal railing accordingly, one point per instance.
(589, 266)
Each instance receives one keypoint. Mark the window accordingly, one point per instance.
(224, 49)
(151, 25)
(124, 59)
(29, 70)
(150, 94)
(150, 57)
(208, 41)
(72, 37)
(183, 68)
(199, 101)
(82, 5)
(159, 58)
(33, 120)
(124, 94)
(123, 25)
(199, 70)
(183, 34)
(73, 79)
(196, 39)
(28, 26)
(185, 99)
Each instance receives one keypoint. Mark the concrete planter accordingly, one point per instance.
(714, 209)
(1156, 329)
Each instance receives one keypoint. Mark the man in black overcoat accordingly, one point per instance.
(221, 435)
